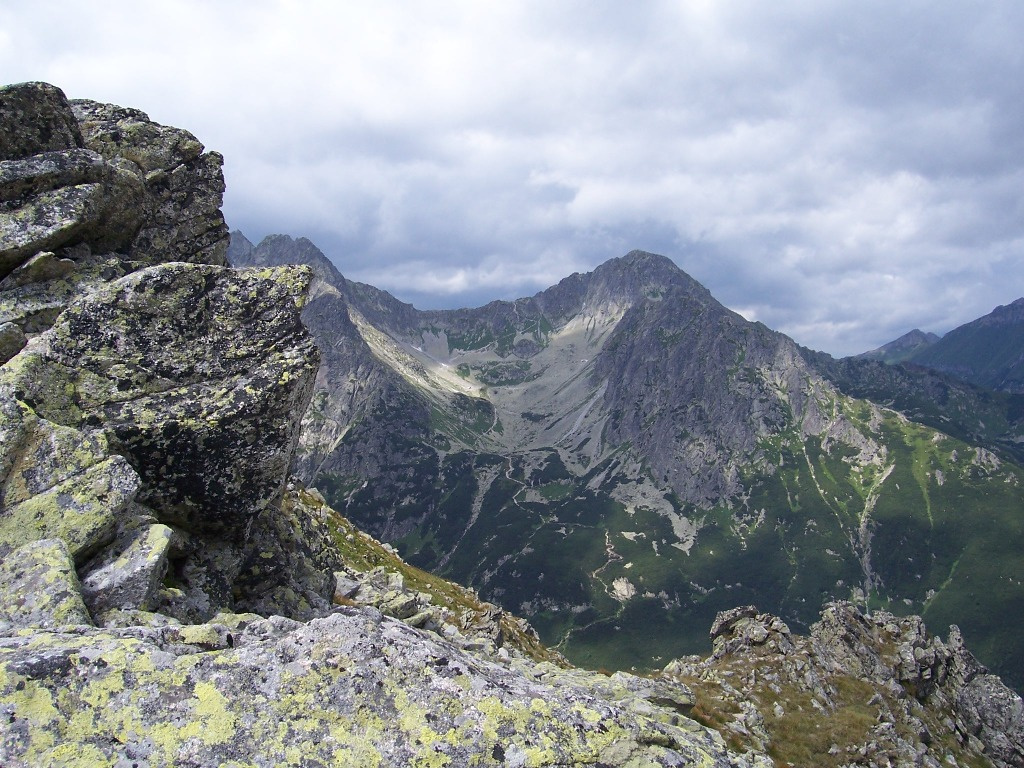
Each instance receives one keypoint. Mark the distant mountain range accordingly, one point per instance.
(988, 352)
(620, 457)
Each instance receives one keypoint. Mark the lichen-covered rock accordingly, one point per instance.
(185, 186)
(99, 191)
(34, 118)
(178, 387)
(352, 689)
(12, 340)
(861, 689)
(289, 560)
(57, 482)
(39, 289)
(129, 576)
(39, 587)
(197, 374)
(63, 198)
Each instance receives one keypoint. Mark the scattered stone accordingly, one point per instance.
(39, 587)
(57, 482)
(129, 579)
(12, 339)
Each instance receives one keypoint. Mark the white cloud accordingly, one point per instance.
(840, 171)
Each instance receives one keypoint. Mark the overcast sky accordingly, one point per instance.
(841, 171)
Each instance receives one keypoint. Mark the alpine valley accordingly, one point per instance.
(620, 457)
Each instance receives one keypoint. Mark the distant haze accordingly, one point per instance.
(842, 172)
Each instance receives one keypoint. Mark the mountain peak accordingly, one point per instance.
(1004, 313)
(645, 263)
(987, 351)
(902, 348)
(643, 274)
(276, 250)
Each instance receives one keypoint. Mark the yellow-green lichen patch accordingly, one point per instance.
(81, 510)
(352, 689)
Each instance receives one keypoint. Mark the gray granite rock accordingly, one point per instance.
(129, 575)
(34, 118)
(57, 482)
(352, 689)
(39, 587)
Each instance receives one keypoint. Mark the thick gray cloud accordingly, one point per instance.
(842, 172)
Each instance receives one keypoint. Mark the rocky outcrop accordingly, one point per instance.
(36, 119)
(860, 689)
(91, 192)
(202, 363)
(170, 397)
(149, 406)
(184, 185)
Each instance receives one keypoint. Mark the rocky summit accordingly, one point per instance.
(173, 594)
(859, 689)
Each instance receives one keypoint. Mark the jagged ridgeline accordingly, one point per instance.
(620, 457)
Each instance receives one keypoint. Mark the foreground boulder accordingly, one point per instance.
(195, 373)
(170, 397)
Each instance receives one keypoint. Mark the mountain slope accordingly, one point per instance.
(620, 457)
(976, 415)
(988, 351)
